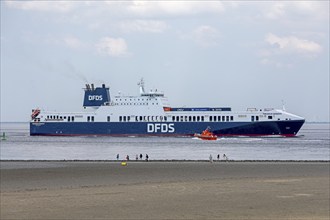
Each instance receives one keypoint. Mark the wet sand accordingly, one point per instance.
(165, 190)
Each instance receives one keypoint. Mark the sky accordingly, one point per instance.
(237, 54)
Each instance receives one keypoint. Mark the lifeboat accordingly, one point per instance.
(206, 135)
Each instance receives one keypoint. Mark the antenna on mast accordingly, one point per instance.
(283, 105)
(141, 84)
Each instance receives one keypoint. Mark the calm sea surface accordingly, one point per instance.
(312, 143)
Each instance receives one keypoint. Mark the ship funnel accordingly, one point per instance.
(95, 97)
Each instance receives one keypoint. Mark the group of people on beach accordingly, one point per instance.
(137, 157)
(224, 157)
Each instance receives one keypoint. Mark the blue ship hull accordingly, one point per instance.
(283, 128)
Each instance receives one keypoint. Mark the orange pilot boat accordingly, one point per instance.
(206, 135)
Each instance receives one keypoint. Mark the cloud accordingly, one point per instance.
(168, 8)
(292, 44)
(115, 47)
(204, 36)
(315, 10)
(287, 51)
(55, 6)
(150, 26)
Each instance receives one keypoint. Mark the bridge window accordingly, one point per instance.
(270, 117)
(210, 118)
(93, 118)
(72, 118)
(202, 118)
(120, 118)
(257, 118)
(88, 118)
(231, 118)
(165, 118)
(223, 118)
(108, 118)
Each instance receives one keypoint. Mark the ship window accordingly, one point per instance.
(223, 118)
(181, 118)
(120, 118)
(202, 118)
(227, 118)
(177, 118)
(124, 118)
(197, 118)
(231, 118)
(72, 118)
(64, 117)
(257, 118)
(92, 118)
(141, 118)
(128, 118)
(88, 118)
(189, 118)
(57, 117)
(252, 118)
(47, 116)
(161, 118)
(210, 118)
(194, 118)
(165, 118)
(108, 118)
(173, 118)
(69, 118)
(270, 117)
(219, 118)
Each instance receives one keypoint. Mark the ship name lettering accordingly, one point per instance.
(160, 127)
(95, 97)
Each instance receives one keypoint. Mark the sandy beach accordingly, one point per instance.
(164, 190)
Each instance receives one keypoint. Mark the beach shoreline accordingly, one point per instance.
(164, 190)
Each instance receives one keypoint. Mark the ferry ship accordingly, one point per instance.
(150, 114)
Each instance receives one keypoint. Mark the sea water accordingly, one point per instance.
(311, 143)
